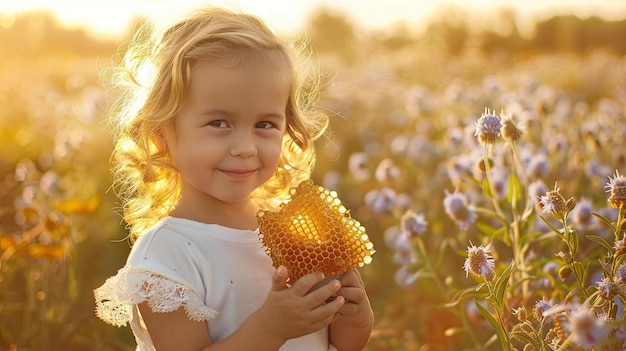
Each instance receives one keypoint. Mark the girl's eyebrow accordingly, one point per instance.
(277, 115)
(210, 112)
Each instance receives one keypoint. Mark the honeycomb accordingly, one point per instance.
(314, 232)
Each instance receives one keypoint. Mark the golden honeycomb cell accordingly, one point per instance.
(314, 232)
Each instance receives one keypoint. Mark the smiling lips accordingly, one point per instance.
(237, 174)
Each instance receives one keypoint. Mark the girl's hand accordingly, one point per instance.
(289, 312)
(356, 311)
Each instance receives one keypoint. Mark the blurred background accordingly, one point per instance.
(409, 80)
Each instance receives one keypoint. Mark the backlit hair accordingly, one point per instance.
(149, 86)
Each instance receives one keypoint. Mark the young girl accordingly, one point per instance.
(210, 127)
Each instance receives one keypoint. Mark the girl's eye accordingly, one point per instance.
(218, 124)
(265, 125)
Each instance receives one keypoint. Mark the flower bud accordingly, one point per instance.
(488, 127)
(565, 272)
(617, 187)
(521, 314)
(510, 131)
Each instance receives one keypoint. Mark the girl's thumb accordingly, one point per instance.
(279, 279)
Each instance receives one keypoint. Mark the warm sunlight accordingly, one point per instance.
(479, 144)
(113, 17)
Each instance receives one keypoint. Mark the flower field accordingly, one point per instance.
(492, 186)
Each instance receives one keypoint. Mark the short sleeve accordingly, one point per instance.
(131, 286)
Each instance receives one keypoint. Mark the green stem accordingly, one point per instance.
(620, 218)
(566, 238)
(518, 256)
(500, 313)
(518, 160)
(520, 261)
(496, 205)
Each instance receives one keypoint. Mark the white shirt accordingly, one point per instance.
(218, 274)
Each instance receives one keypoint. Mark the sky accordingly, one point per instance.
(113, 17)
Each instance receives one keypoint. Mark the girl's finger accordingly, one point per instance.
(322, 294)
(304, 284)
(279, 278)
(328, 310)
(351, 278)
(349, 309)
(352, 294)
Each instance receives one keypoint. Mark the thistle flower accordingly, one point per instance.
(617, 187)
(607, 289)
(358, 166)
(413, 224)
(479, 262)
(381, 200)
(386, 171)
(509, 130)
(553, 202)
(456, 207)
(620, 274)
(587, 330)
(540, 307)
(488, 127)
(521, 313)
(405, 253)
(404, 277)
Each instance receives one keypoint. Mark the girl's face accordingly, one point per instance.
(226, 140)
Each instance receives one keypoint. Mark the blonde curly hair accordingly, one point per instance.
(149, 85)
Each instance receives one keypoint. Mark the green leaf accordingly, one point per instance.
(556, 231)
(578, 269)
(600, 241)
(501, 283)
(459, 296)
(572, 237)
(486, 188)
(515, 189)
(494, 323)
(603, 219)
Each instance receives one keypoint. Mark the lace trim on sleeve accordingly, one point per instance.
(131, 286)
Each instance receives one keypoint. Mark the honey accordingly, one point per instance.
(314, 232)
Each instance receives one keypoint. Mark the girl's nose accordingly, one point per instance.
(243, 146)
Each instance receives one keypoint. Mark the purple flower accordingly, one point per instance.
(488, 127)
(413, 224)
(587, 330)
(381, 200)
(456, 207)
(617, 187)
(358, 166)
(479, 262)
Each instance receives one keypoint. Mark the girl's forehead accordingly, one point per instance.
(273, 61)
(211, 70)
